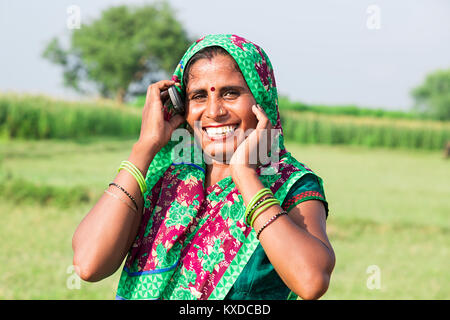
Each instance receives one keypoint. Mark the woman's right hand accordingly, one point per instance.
(155, 130)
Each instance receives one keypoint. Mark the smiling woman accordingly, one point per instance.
(223, 226)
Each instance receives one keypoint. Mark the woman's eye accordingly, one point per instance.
(231, 94)
(198, 97)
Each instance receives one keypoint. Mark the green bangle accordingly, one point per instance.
(255, 199)
(263, 199)
(136, 171)
(266, 204)
(139, 174)
(257, 196)
(131, 168)
(134, 175)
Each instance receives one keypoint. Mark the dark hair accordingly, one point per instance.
(205, 53)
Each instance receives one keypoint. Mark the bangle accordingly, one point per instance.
(126, 192)
(263, 206)
(136, 173)
(279, 214)
(119, 198)
(131, 168)
(250, 207)
(256, 206)
(263, 198)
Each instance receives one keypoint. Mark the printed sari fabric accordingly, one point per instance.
(193, 243)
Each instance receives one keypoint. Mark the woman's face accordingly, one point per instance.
(219, 106)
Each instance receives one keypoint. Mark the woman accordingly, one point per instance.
(222, 226)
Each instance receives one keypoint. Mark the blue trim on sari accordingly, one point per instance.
(135, 274)
(189, 164)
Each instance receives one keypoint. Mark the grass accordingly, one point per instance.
(388, 208)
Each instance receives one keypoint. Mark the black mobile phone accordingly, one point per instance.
(177, 102)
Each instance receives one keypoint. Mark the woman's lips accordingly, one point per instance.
(219, 133)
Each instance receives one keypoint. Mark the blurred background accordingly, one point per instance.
(364, 98)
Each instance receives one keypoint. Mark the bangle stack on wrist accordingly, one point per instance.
(255, 203)
(261, 201)
(131, 168)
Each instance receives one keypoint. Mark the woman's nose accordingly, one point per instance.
(215, 108)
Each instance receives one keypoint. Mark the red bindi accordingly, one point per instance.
(212, 88)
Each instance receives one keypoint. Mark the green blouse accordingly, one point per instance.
(259, 280)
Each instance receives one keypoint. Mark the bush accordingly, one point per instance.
(285, 104)
(309, 127)
(23, 191)
(38, 117)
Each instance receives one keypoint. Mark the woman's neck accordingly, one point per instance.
(216, 172)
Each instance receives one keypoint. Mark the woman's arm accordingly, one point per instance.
(105, 235)
(296, 244)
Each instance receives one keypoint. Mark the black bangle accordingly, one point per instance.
(279, 214)
(126, 192)
(260, 201)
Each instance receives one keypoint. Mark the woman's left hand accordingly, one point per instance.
(248, 153)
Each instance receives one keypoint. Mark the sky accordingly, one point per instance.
(335, 52)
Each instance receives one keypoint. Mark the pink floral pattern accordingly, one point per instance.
(239, 41)
(265, 72)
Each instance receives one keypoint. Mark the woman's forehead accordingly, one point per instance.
(219, 63)
(221, 69)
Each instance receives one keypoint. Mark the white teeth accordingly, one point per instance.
(218, 131)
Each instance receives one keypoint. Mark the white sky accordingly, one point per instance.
(322, 51)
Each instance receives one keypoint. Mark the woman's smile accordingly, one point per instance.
(220, 132)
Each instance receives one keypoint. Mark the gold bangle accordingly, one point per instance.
(119, 198)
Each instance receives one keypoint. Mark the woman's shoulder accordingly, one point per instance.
(307, 187)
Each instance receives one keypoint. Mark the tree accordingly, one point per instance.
(122, 51)
(433, 96)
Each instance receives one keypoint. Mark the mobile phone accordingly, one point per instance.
(176, 101)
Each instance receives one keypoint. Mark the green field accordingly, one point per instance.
(388, 208)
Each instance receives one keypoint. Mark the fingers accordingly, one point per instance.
(161, 85)
(164, 96)
(263, 120)
(264, 129)
(154, 90)
(176, 120)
